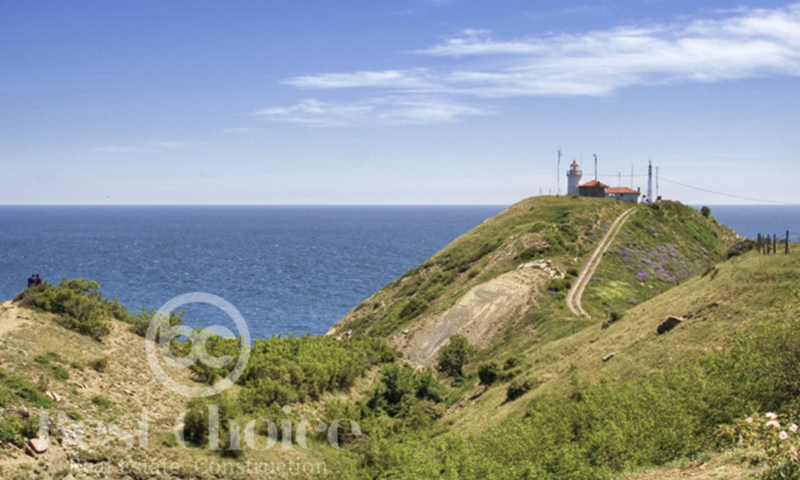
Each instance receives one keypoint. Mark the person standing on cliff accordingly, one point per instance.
(38, 280)
(32, 280)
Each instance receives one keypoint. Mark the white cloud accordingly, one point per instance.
(375, 111)
(409, 79)
(171, 145)
(744, 44)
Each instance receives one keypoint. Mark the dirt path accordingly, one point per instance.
(9, 318)
(576, 292)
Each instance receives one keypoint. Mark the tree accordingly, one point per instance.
(705, 211)
(454, 356)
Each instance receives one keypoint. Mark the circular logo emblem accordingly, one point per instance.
(161, 333)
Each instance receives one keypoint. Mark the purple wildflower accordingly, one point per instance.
(643, 276)
(633, 301)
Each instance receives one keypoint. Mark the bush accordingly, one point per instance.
(15, 430)
(405, 392)
(517, 389)
(196, 427)
(454, 356)
(559, 284)
(741, 246)
(99, 365)
(488, 373)
(101, 402)
(413, 308)
(293, 369)
(705, 211)
(78, 304)
(613, 317)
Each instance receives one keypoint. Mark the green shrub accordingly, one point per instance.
(705, 211)
(17, 390)
(405, 392)
(141, 321)
(15, 430)
(99, 364)
(78, 305)
(46, 358)
(517, 389)
(613, 317)
(101, 402)
(488, 373)
(292, 369)
(59, 372)
(197, 427)
(559, 284)
(413, 308)
(454, 356)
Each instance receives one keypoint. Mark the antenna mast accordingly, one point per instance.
(657, 182)
(558, 173)
(595, 166)
(631, 175)
(650, 181)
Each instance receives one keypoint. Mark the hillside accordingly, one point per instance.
(515, 270)
(542, 392)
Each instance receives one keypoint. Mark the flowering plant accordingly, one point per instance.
(779, 440)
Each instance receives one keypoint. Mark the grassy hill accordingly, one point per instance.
(535, 393)
(658, 247)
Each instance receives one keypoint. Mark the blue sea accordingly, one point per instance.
(287, 269)
(292, 269)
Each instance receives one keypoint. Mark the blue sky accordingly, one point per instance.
(394, 102)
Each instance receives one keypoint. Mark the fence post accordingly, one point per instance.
(787, 242)
(758, 243)
(775, 243)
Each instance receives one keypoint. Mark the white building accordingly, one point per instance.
(573, 179)
(623, 194)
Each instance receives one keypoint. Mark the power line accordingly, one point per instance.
(727, 194)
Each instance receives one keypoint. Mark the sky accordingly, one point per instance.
(395, 102)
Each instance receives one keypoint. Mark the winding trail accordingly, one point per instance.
(576, 292)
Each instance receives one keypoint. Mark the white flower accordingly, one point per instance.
(772, 416)
(749, 419)
(793, 428)
(773, 423)
(783, 435)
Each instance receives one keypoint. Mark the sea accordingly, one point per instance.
(285, 269)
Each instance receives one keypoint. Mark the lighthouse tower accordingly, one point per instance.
(574, 175)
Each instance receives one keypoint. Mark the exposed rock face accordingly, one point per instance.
(669, 324)
(481, 315)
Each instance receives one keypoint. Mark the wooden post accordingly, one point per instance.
(758, 243)
(775, 243)
(787, 242)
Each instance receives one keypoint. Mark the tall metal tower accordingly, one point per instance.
(650, 181)
(657, 182)
(595, 166)
(558, 173)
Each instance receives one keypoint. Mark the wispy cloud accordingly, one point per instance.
(114, 149)
(743, 44)
(395, 79)
(171, 145)
(375, 111)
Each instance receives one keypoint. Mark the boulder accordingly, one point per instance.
(39, 445)
(668, 324)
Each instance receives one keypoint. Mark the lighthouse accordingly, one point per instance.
(574, 175)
